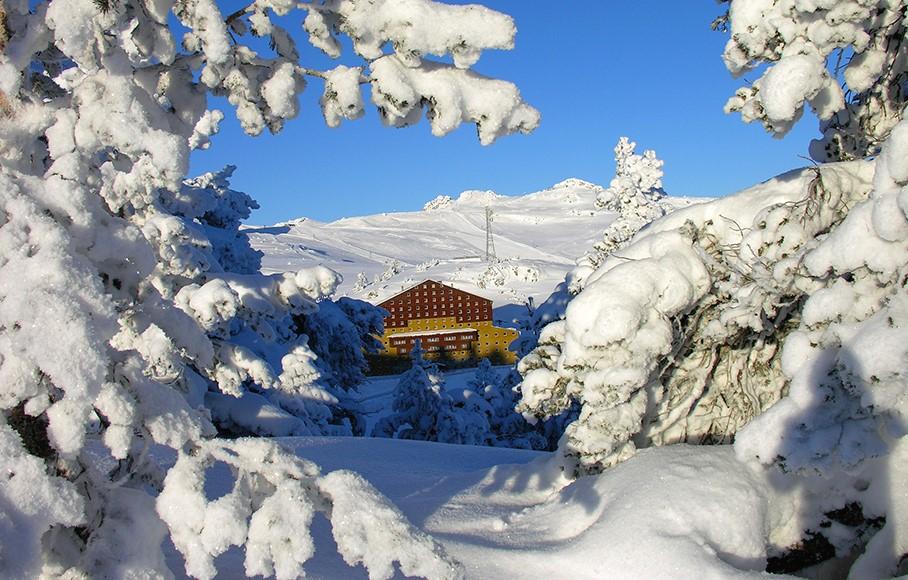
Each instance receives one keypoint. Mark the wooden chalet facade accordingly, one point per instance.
(446, 321)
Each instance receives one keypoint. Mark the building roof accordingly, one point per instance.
(390, 298)
(402, 292)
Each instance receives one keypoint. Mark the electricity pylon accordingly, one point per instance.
(490, 243)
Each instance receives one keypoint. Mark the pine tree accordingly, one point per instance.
(423, 410)
(773, 319)
(484, 377)
(846, 60)
(158, 319)
(418, 402)
(633, 194)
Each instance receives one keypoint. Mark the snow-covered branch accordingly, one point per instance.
(132, 312)
(859, 99)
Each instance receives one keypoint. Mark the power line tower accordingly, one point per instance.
(490, 243)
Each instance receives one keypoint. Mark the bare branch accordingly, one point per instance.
(4, 39)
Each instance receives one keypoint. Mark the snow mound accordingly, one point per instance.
(575, 183)
(702, 516)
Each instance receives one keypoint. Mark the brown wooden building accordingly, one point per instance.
(444, 320)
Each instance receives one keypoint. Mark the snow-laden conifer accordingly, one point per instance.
(131, 311)
(847, 60)
(774, 318)
(425, 411)
(633, 194)
(418, 401)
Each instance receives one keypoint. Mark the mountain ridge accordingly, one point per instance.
(537, 238)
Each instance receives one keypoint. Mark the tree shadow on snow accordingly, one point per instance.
(269, 230)
(836, 458)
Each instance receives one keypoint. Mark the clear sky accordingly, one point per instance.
(596, 69)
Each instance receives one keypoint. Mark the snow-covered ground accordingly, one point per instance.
(675, 512)
(537, 238)
(507, 513)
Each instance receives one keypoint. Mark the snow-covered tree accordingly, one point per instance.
(465, 419)
(424, 411)
(362, 281)
(775, 318)
(342, 334)
(130, 311)
(847, 60)
(418, 402)
(637, 182)
(484, 376)
(506, 427)
(633, 194)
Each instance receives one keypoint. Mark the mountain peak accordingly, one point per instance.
(574, 183)
(474, 196)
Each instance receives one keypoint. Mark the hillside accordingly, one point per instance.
(446, 241)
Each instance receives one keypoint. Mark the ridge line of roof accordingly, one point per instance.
(393, 296)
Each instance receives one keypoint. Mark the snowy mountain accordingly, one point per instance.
(537, 238)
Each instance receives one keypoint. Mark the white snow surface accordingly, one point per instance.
(671, 512)
(537, 239)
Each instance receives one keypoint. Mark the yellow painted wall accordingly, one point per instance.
(491, 338)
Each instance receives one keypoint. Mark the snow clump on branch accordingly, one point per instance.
(160, 323)
(861, 41)
(773, 319)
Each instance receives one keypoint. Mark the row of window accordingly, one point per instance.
(389, 322)
(461, 346)
(394, 310)
(395, 307)
(470, 301)
(451, 338)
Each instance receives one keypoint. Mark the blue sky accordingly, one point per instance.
(596, 69)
